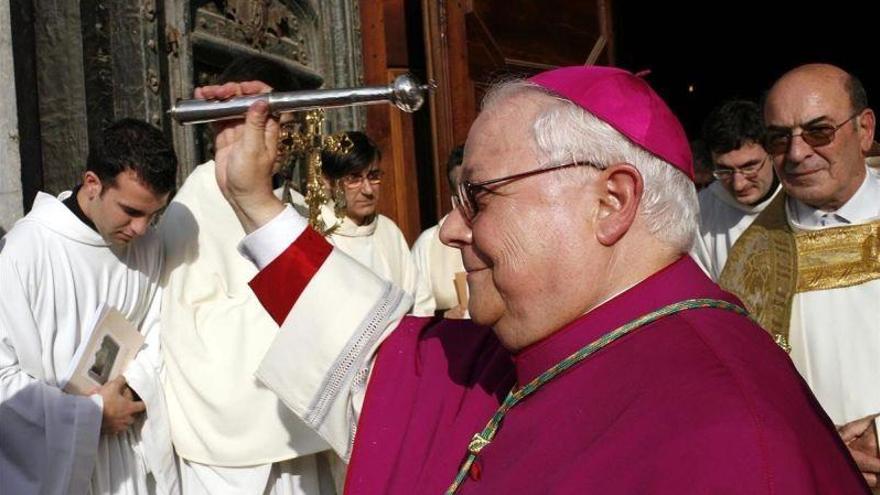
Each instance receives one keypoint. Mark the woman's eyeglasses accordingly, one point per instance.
(354, 181)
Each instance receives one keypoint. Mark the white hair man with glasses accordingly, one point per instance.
(745, 183)
(599, 357)
(808, 267)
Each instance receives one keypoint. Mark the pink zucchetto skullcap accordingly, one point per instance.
(626, 103)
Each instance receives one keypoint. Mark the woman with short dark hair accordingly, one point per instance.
(354, 178)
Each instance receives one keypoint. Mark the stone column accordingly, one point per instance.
(10, 162)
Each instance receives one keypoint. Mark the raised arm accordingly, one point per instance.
(333, 311)
(245, 156)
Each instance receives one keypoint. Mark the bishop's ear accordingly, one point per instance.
(620, 189)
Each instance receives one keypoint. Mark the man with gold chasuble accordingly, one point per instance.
(600, 359)
(808, 268)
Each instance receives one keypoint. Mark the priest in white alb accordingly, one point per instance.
(232, 434)
(58, 264)
(440, 265)
(354, 178)
(744, 181)
(808, 267)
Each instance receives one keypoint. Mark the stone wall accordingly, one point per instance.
(10, 162)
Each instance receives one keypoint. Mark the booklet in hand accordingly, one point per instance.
(108, 345)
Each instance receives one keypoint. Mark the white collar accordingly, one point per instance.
(723, 195)
(348, 228)
(861, 207)
(51, 213)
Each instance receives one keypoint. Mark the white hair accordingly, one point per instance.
(565, 132)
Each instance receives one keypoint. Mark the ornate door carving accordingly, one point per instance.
(82, 64)
(307, 36)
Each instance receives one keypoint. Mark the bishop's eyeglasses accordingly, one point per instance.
(465, 198)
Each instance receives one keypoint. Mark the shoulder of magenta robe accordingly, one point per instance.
(699, 402)
(435, 383)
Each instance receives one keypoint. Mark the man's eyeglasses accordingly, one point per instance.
(354, 181)
(465, 198)
(778, 141)
(748, 171)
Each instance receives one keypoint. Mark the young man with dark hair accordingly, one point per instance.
(58, 265)
(744, 185)
(232, 435)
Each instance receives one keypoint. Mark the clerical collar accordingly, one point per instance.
(771, 193)
(348, 228)
(861, 207)
(73, 205)
(721, 192)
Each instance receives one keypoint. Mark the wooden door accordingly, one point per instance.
(472, 43)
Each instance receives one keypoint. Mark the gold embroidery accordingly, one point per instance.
(838, 257)
(770, 263)
(782, 342)
(761, 270)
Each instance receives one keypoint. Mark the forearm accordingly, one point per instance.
(19, 390)
(255, 212)
(321, 359)
(319, 362)
(45, 432)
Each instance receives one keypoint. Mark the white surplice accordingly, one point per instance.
(381, 247)
(722, 220)
(54, 273)
(438, 264)
(835, 334)
(327, 385)
(233, 435)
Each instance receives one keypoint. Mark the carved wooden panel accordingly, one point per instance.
(121, 54)
(388, 48)
(86, 63)
(205, 35)
(309, 37)
(401, 188)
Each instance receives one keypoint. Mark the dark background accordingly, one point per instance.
(737, 49)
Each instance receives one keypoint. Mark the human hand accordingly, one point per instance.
(860, 437)
(456, 313)
(245, 153)
(120, 410)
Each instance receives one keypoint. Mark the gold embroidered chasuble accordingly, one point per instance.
(771, 262)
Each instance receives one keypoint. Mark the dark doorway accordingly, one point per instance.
(700, 53)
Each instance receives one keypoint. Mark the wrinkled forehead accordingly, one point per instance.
(502, 140)
(795, 102)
